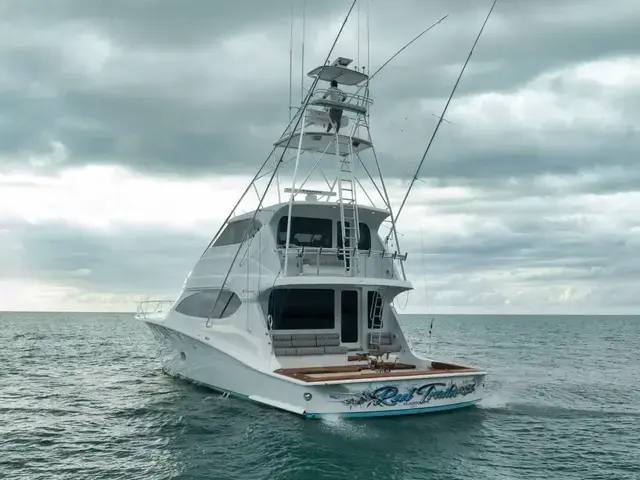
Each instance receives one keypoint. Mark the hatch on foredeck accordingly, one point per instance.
(324, 142)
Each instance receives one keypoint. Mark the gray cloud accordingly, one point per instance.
(528, 251)
(201, 87)
(125, 261)
(135, 83)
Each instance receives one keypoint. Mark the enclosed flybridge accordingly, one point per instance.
(291, 304)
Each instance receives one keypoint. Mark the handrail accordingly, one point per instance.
(337, 250)
(350, 98)
(324, 261)
(158, 307)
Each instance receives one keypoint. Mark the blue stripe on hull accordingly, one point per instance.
(389, 413)
(377, 413)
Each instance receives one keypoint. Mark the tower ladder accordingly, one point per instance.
(375, 315)
(349, 221)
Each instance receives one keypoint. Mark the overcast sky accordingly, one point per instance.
(129, 128)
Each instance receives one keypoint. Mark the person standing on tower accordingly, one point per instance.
(335, 114)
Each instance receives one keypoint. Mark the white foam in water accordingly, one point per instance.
(346, 427)
(502, 395)
(497, 400)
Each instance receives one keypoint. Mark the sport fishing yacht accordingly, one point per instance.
(291, 304)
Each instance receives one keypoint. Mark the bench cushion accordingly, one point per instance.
(338, 349)
(306, 342)
(301, 351)
(295, 340)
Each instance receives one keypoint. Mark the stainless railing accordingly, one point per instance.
(329, 261)
(351, 100)
(153, 307)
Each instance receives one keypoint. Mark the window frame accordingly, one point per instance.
(254, 227)
(281, 229)
(225, 307)
(300, 323)
(350, 307)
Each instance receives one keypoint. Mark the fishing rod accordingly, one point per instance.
(398, 53)
(426, 293)
(300, 116)
(441, 118)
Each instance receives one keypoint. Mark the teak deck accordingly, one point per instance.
(350, 372)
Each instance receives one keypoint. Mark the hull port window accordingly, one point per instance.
(302, 309)
(234, 233)
(306, 232)
(364, 243)
(199, 304)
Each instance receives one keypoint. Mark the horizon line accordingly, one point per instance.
(519, 314)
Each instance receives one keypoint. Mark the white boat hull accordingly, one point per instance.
(191, 359)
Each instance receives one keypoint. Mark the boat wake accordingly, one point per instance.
(346, 427)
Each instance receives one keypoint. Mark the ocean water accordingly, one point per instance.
(82, 396)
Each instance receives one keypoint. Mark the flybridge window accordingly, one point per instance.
(200, 304)
(365, 236)
(302, 309)
(306, 232)
(234, 233)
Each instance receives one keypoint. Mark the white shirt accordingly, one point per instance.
(335, 94)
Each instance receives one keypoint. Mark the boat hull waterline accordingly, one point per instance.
(190, 359)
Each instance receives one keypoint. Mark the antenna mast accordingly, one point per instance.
(304, 11)
(290, 60)
(358, 57)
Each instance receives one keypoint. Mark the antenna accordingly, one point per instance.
(304, 11)
(441, 118)
(368, 42)
(290, 59)
(358, 57)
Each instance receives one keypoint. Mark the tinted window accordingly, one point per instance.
(365, 236)
(234, 233)
(349, 319)
(199, 304)
(307, 232)
(300, 309)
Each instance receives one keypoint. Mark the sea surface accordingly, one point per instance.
(82, 396)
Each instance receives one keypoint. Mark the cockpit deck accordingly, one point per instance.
(364, 370)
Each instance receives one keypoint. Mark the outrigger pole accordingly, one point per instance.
(275, 170)
(402, 49)
(441, 118)
(385, 197)
(399, 52)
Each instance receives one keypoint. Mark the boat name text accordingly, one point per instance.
(390, 395)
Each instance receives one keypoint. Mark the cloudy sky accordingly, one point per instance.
(129, 128)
